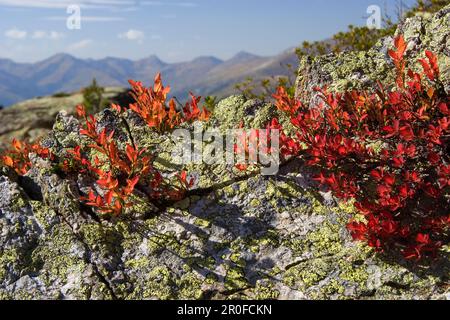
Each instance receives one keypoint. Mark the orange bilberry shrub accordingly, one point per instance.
(151, 105)
(18, 157)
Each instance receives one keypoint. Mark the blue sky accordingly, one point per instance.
(174, 30)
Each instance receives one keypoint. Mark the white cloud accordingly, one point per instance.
(92, 4)
(52, 35)
(133, 35)
(87, 18)
(62, 4)
(39, 34)
(16, 34)
(80, 45)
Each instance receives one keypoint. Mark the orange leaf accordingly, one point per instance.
(8, 161)
(401, 45)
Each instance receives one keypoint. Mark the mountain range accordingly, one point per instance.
(203, 76)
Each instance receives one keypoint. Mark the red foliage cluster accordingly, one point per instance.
(151, 105)
(388, 150)
(117, 172)
(249, 142)
(18, 157)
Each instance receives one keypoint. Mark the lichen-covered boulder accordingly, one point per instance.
(40, 256)
(362, 70)
(235, 235)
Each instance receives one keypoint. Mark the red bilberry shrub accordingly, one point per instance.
(387, 150)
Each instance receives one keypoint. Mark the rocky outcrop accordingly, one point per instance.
(33, 119)
(361, 70)
(235, 235)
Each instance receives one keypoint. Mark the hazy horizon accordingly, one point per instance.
(146, 57)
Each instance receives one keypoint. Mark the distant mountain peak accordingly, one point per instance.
(60, 58)
(244, 55)
(153, 59)
(205, 75)
(207, 59)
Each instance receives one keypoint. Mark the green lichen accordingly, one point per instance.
(56, 259)
(265, 291)
(43, 214)
(8, 258)
(255, 203)
(326, 240)
(237, 260)
(189, 286)
(307, 274)
(352, 273)
(160, 284)
(334, 287)
(202, 223)
(137, 263)
(229, 191)
(235, 279)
